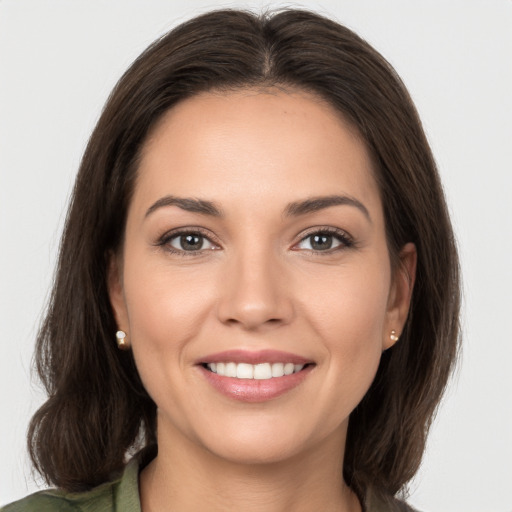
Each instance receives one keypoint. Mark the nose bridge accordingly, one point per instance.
(253, 288)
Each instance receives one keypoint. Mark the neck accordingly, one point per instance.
(185, 476)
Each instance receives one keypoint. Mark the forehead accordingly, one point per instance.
(267, 145)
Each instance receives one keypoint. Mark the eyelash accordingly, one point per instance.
(343, 237)
(165, 240)
(346, 240)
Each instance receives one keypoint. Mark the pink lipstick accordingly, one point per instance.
(254, 376)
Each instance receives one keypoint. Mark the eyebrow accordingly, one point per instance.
(315, 204)
(188, 204)
(295, 209)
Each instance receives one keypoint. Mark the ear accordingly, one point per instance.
(400, 294)
(116, 291)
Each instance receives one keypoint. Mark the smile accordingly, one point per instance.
(249, 376)
(262, 371)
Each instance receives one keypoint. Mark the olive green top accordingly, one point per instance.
(122, 495)
(119, 495)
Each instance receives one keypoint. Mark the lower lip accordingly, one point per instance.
(255, 390)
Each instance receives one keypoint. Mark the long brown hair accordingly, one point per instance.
(97, 408)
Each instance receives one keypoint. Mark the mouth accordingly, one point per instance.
(255, 376)
(260, 371)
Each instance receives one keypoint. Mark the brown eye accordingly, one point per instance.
(190, 242)
(323, 241)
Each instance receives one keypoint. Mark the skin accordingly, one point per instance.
(256, 284)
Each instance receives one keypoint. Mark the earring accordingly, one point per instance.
(393, 336)
(122, 342)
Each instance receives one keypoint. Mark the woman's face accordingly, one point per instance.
(255, 245)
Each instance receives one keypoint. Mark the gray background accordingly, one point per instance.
(58, 62)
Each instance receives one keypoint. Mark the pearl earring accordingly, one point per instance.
(393, 336)
(122, 342)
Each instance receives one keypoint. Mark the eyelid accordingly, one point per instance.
(164, 240)
(346, 239)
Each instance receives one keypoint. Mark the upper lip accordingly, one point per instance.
(254, 357)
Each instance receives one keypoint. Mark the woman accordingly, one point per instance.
(257, 292)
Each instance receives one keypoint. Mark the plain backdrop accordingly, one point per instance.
(58, 62)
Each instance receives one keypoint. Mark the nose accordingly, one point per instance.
(254, 292)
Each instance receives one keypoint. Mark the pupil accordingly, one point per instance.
(321, 242)
(191, 242)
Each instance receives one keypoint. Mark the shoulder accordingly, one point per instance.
(53, 500)
(119, 494)
(43, 501)
(401, 506)
(375, 503)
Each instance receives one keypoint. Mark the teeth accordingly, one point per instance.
(262, 371)
(277, 370)
(288, 368)
(230, 370)
(244, 371)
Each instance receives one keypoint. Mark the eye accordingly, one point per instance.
(187, 242)
(325, 241)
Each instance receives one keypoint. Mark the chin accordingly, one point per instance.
(257, 451)
(268, 442)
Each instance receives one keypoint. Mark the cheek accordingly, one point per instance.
(166, 309)
(165, 317)
(350, 320)
(351, 306)
(354, 341)
(161, 308)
